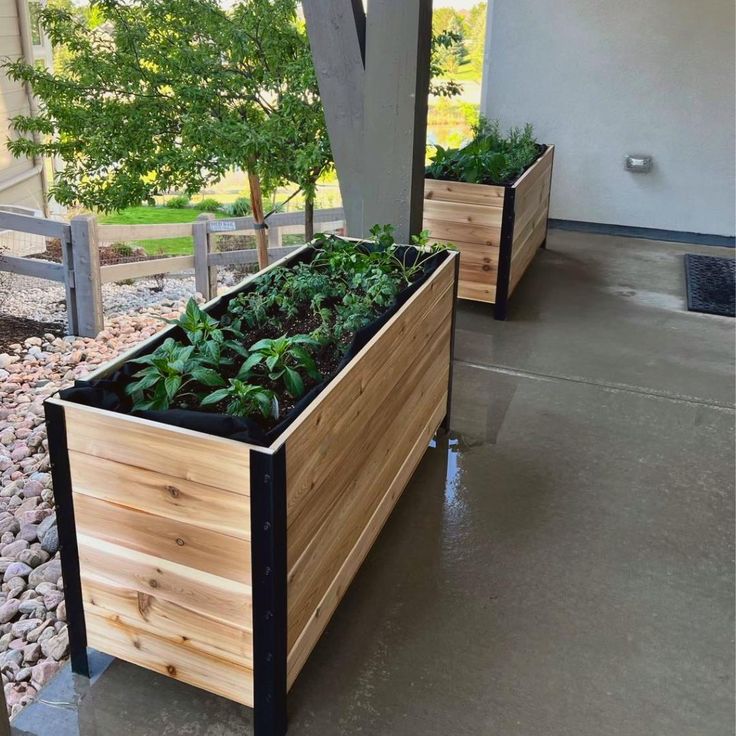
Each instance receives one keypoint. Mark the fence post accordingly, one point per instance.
(205, 276)
(274, 237)
(67, 261)
(87, 280)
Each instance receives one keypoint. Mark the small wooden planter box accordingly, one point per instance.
(220, 563)
(496, 229)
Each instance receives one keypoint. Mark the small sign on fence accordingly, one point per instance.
(221, 226)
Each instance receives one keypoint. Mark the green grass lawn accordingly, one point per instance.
(154, 215)
(466, 73)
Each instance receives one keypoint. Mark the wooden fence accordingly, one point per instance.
(81, 273)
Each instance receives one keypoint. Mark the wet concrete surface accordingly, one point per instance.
(560, 565)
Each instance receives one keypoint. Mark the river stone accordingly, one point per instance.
(29, 532)
(33, 557)
(17, 570)
(43, 672)
(45, 525)
(9, 524)
(57, 646)
(52, 599)
(50, 543)
(21, 628)
(31, 653)
(14, 548)
(49, 572)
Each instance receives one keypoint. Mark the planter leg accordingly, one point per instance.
(544, 244)
(268, 562)
(58, 453)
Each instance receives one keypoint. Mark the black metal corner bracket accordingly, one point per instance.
(504, 256)
(445, 425)
(61, 475)
(268, 563)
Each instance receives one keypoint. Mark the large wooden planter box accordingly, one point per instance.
(220, 563)
(496, 229)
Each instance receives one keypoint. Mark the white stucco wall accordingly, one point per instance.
(602, 79)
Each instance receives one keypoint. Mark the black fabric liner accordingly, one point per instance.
(109, 393)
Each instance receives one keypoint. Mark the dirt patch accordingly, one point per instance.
(109, 254)
(17, 329)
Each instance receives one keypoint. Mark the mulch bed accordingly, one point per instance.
(17, 329)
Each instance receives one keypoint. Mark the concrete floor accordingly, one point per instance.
(561, 566)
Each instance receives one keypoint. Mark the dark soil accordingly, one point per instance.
(326, 358)
(17, 329)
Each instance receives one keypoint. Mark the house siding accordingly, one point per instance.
(602, 80)
(14, 101)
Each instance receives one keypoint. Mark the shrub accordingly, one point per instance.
(122, 249)
(208, 204)
(239, 208)
(178, 202)
(489, 158)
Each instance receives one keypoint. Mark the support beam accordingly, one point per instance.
(336, 31)
(399, 36)
(373, 74)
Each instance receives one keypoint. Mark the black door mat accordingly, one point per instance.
(710, 284)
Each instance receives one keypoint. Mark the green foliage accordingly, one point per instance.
(285, 358)
(490, 158)
(343, 288)
(245, 399)
(208, 204)
(179, 201)
(239, 208)
(199, 326)
(168, 370)
(161, 95)
(122, 249)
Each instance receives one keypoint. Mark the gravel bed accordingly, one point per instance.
(44, 300)
(34, 641)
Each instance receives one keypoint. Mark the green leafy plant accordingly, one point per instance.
(208, 204)
(239, 208)
(199, 326)
(178, 202)
(490, 158)
(244, 399)
(168, 370)
(285, 358)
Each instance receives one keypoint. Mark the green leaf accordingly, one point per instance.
(172, 384)
(215, 397)
(293, 382)
(208, 377)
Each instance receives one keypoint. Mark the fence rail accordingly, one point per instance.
(82, 275)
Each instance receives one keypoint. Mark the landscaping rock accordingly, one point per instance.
(32, 607)
(50, 542)
(17, 570)
(57, 646)
(49, 572)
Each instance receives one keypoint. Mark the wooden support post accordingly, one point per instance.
(398, 48)
(336, 31)
(87, 281)
(373, 74)
(205, 275)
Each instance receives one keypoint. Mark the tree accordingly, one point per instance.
(172, 94)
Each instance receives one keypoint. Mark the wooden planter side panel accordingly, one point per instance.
(531, 210)
(468, 215)
(349, 459)
(163, 529)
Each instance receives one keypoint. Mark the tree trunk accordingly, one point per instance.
(308, 218)
(256, 203)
